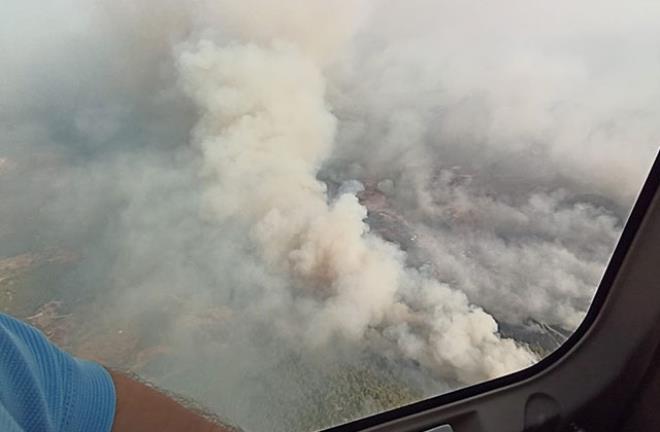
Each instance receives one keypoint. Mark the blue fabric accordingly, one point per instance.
(43, 389)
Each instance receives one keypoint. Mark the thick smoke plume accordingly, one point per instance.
(264, 137)
(268, 199)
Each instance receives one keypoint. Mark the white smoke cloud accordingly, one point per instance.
(562, 82)
(327, 184)
(264, 137)
(524, 139)
(321, 30)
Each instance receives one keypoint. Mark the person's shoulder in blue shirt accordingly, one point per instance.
(44, 389)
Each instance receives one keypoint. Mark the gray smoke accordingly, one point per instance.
(284, 191)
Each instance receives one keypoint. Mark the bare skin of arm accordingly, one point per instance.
(141, 408)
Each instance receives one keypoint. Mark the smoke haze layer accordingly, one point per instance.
(269, 199)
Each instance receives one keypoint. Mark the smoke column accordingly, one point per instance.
(264, 133)
(270, 203)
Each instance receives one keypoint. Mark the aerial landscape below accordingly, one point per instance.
(322, 209)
